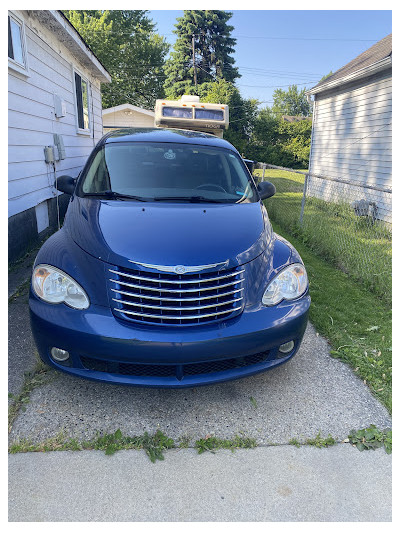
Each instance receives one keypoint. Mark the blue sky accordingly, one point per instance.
(269, 55)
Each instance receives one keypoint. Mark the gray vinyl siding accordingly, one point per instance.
(32, 121)
(352, 140)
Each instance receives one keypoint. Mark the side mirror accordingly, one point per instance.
(266, 189)
(66, 184)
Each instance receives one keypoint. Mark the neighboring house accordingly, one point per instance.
(54, 98)
(294, 118)
(352, 131)
(127, 116)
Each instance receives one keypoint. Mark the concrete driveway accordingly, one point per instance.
(310, 394)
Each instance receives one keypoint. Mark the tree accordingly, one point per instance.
(242, 112)
(213, 48)
(125, 43)
(326, 76)
(280, 143)
(291, 102)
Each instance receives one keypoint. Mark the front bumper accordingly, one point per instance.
(103, 348)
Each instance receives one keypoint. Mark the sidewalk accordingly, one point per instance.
(267, 484)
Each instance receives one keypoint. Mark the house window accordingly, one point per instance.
(82, 102)
(16, 44)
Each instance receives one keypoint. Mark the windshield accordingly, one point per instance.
(168, 172)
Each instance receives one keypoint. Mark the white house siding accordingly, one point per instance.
(120, 119)
(352, 141)
(32, 120)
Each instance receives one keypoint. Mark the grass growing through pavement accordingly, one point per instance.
(318, 441)
(371, 438)
(211, 443)
(154, 445)
(22, 290)
(333, 231)
(321, 442)
(356, 322)
(32, 379)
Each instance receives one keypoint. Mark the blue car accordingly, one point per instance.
(167, 272)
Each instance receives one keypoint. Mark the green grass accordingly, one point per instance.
(321, 442)
(349, 267)
(110, 443)
(154, 445)
(211, 443)
(318, 441)
(356, 323)
(370, 438)
(333, 231)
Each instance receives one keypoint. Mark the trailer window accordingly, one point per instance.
(177, 112)
(209, 114)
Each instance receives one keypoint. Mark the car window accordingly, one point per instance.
(172, 171)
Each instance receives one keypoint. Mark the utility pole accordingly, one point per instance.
(194, 63)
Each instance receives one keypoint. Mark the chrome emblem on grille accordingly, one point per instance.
(181, 269)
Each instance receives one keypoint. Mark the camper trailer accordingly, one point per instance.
(190, 114)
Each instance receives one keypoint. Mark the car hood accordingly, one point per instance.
(119, 232)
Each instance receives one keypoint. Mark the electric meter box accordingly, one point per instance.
(60, 106)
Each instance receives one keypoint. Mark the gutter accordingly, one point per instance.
(379, 66)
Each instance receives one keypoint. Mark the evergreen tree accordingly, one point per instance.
(326, 76)
(213, 48)
(125, 43)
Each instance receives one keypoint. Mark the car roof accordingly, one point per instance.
(164, 135)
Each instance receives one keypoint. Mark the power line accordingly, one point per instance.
(283, 38)
(247, 68)
(303, 38)
(275, 86)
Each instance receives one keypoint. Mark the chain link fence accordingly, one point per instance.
(345, 222)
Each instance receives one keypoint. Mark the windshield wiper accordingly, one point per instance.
(113, 195)
(194, 199)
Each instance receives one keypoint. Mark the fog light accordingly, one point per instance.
(59, 355)
(287, 347)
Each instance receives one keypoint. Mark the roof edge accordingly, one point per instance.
(380, 65)
(132, 107)
(58, 23)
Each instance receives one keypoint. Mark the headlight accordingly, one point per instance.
(55, 286)
(290, 283)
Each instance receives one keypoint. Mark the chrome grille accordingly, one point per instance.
(176, 299)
